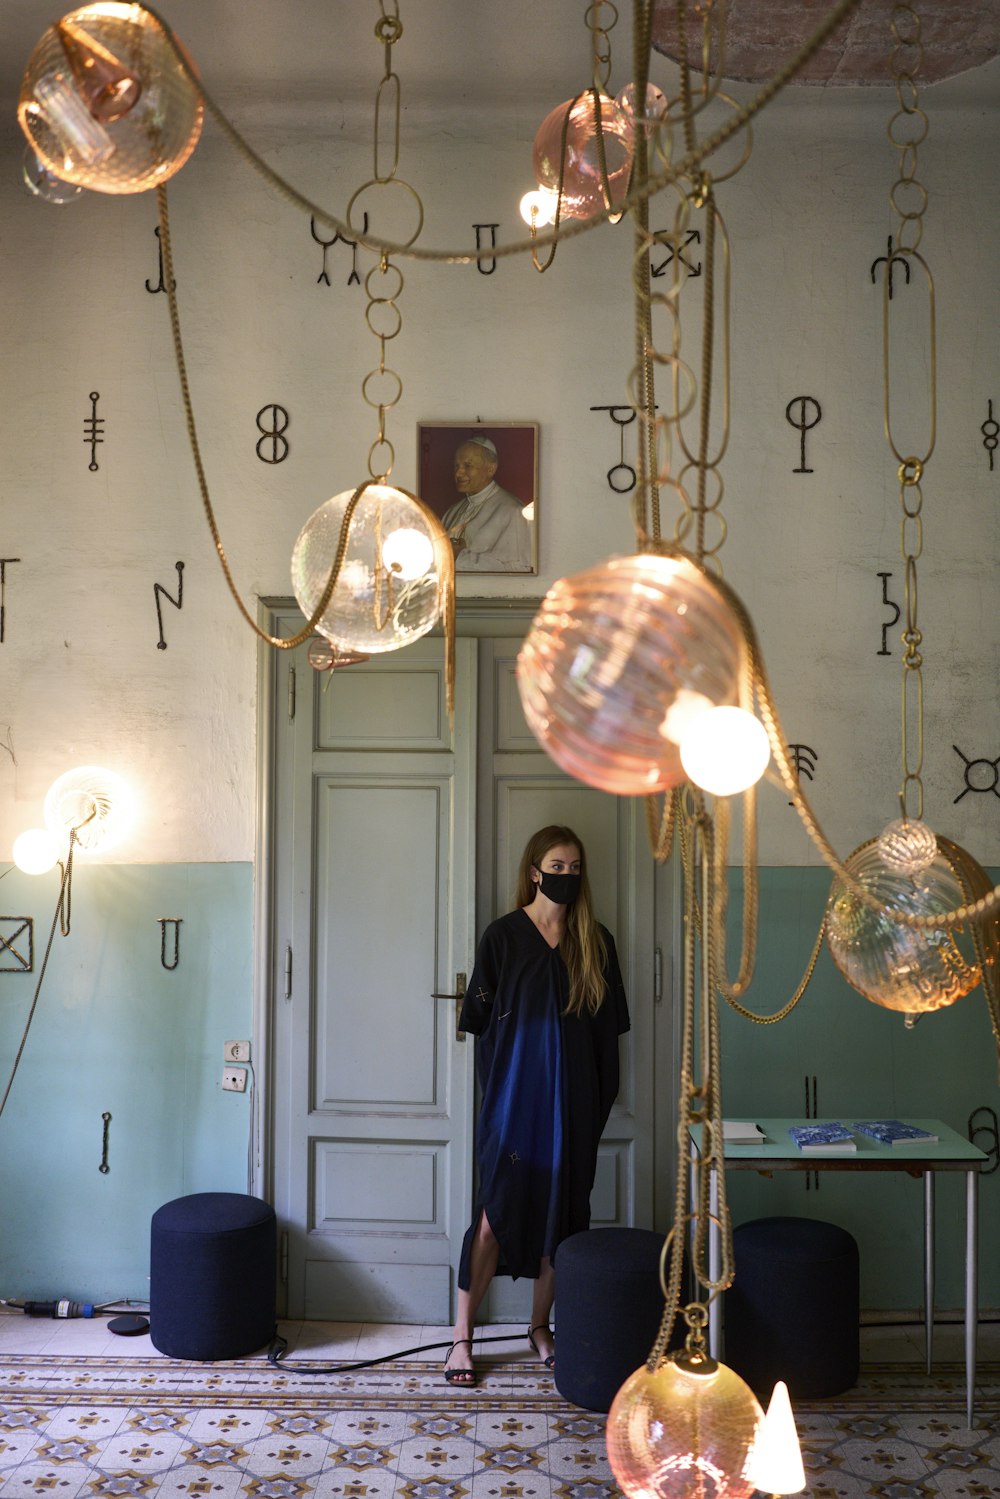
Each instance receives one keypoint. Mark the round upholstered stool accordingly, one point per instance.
(792, 1312)
(211, 1276)
(609, 1306)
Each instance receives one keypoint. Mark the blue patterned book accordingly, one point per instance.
(895, 1132)
(822, 1139)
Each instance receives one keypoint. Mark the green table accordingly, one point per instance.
(951, 1152)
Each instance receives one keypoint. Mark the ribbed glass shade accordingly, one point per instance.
(583, 186)
(617, 662)
(675, 1434)
(912, 969)
(105, 102)
(392, 582)
(907, 845)
(93, 802)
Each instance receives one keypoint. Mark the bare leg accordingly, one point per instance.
(482, 1267)
(541, 1310)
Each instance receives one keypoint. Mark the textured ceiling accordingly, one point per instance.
(957, 35)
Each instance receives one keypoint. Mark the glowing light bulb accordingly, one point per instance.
(538, 208)
(36, 851)
(408, 552)
(725, 750)
(681, 714)
(776, 1460)
(93, 803)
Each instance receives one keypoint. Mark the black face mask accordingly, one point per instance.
(561, 888)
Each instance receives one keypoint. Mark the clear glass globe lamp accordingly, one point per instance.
(93, 803)
(907, 845)
(396, 575)
(620, 660)
(906, 968)
(582, 179)
(688, 1429)
(106, 103)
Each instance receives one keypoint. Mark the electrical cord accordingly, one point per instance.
(279, 1346)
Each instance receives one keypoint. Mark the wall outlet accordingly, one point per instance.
(234, 1079)
(236, 1051)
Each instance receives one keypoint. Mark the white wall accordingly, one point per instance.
(82, 677)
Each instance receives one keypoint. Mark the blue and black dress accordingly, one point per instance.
(548, 1081)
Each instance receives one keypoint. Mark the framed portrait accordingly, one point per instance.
(481, 481)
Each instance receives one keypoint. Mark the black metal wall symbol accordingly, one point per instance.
(622, 416)
(804, 759)
(804, 424)
(161, 285)
(272, 434)
(990, 430)
(889, 604)
(693, 237)
(158, 592)
(324, 278)
(889, 260)
(175, 922)
(17, 944)
(487, 270)
(104, 1168)
(93, 430)
(993, 770)
(3, 593)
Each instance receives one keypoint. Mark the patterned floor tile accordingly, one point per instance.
(58, 1480)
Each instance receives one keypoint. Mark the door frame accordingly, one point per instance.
(475, 618)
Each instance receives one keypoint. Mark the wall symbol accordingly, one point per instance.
(93, 427)
(804, 759)
(991, 431)
(804, 424)
(161, 285)
(175, 922)
(992, 773)
(158, 590)
(17, 944)
(622, 416)
(279, 424)
(889, 604)
(4, 561)
(693, 237)
(890, 259)
(323, 278)
(487, 270)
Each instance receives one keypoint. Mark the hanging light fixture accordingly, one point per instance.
(36, 851)
(583, 153)
(725, 750)
(90, 804)
(106, 102)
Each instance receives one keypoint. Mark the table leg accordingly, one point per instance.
(971, 1286)
(929, 1267)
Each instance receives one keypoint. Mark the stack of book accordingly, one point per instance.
(895, 1132)
(741, 1132)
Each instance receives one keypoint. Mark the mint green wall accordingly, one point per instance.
(866, 1065)
(116, 1031)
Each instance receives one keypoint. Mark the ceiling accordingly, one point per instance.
(471, 55)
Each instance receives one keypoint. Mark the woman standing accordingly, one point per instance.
(547, 1003)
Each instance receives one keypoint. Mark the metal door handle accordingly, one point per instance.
(458, 997)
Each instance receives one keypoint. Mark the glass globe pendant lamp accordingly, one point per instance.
(93, 804)
(105, 102)
(687, 1429)
(906, 968)
(618, 663)
(579, 168)
(396, 576)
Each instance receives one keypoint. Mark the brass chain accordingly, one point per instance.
(600, 42)
(907, 129)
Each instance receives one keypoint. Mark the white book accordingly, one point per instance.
(740, 1132)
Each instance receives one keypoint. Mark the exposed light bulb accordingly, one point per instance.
(776, 1461)
(36, 851)
(725, 750)
(685, 708)
(538, 208)
(408, 553)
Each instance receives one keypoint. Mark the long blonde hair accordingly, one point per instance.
(582, 945)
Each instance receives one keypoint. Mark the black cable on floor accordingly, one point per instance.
(278, 1348)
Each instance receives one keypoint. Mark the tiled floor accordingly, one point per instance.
(348, 1342)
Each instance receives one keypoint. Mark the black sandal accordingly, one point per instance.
(465, 1378)
(550, 1361)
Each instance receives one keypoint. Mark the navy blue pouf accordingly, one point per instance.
(211, 1276)
(609, 1307)
(793, 1310)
